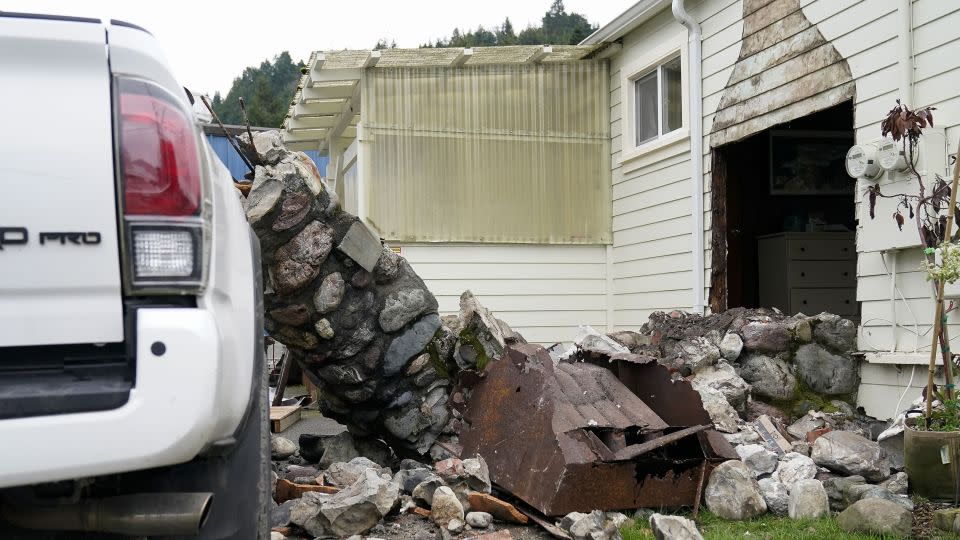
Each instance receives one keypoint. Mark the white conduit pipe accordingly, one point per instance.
(695, 117)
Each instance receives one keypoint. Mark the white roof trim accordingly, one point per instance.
(626, 21)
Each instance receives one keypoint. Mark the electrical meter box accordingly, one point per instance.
(930, 159)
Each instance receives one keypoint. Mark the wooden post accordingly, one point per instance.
(939, 321)
(285, 362)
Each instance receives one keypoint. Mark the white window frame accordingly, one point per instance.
(652, 61)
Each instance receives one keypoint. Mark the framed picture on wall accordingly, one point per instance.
(809, 162)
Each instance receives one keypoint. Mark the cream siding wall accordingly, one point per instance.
(866, 33)
(652, 240)
(651, 218)
(542, 291)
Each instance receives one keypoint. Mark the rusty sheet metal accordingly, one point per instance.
(550, 436)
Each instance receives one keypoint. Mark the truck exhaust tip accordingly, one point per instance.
(138, 514)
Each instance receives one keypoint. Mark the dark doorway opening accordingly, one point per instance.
(784, 216)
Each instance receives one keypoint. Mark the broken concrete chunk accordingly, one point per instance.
(723, 415)
(481, 339)
(723, 377)
(361, 245)
(354, 510)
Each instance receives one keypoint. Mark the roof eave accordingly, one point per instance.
(626, 21)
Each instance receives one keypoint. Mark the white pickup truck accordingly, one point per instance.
(132, 387)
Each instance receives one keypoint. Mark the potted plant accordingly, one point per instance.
(931, 441)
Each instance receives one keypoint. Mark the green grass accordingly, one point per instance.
(767, 527)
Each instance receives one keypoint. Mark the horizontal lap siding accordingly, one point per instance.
(652, 264)
(866, 33)
(542, 291)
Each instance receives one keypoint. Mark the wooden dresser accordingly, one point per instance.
(809, 272)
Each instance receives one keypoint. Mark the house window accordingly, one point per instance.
(658, 107)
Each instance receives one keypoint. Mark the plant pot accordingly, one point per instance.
(932, 460)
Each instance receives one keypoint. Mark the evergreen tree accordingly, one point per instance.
(267, 90)
(505, 35)
(557, 28)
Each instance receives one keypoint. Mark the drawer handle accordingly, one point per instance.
(803, 302)
(803, 274)
(846, 302)
(845, 250)
(803, 249)
(845, 274)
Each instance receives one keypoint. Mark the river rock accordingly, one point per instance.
(330, 293)
(876, 516)
(731, 346)
(836, 333)
(479, 520)
(758, 459)
(776, 495)
(401, 307)
(282, 448)
(674, 528)
(769, 377)
(765, 337)
(849, 453)
(825, 372)
(733, 493)
(808, 500)
(794, 467)
(445, 507)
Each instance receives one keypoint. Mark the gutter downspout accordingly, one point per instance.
(906, 53)
(695, 116)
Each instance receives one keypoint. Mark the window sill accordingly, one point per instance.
(670, 139)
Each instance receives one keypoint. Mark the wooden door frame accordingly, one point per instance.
(718, 229)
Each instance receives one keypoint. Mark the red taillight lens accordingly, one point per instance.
(158, 153)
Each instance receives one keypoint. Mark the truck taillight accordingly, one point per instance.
(160, 175)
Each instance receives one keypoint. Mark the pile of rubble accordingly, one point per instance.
(414, 500)
(748, 410)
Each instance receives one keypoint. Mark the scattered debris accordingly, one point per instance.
(584, 440)
(501, 510)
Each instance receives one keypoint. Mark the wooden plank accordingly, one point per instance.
(282, 417)
(287, 490)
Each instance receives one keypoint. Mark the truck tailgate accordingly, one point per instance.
(59, 255)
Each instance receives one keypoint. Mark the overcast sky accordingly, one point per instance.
(209, 42)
